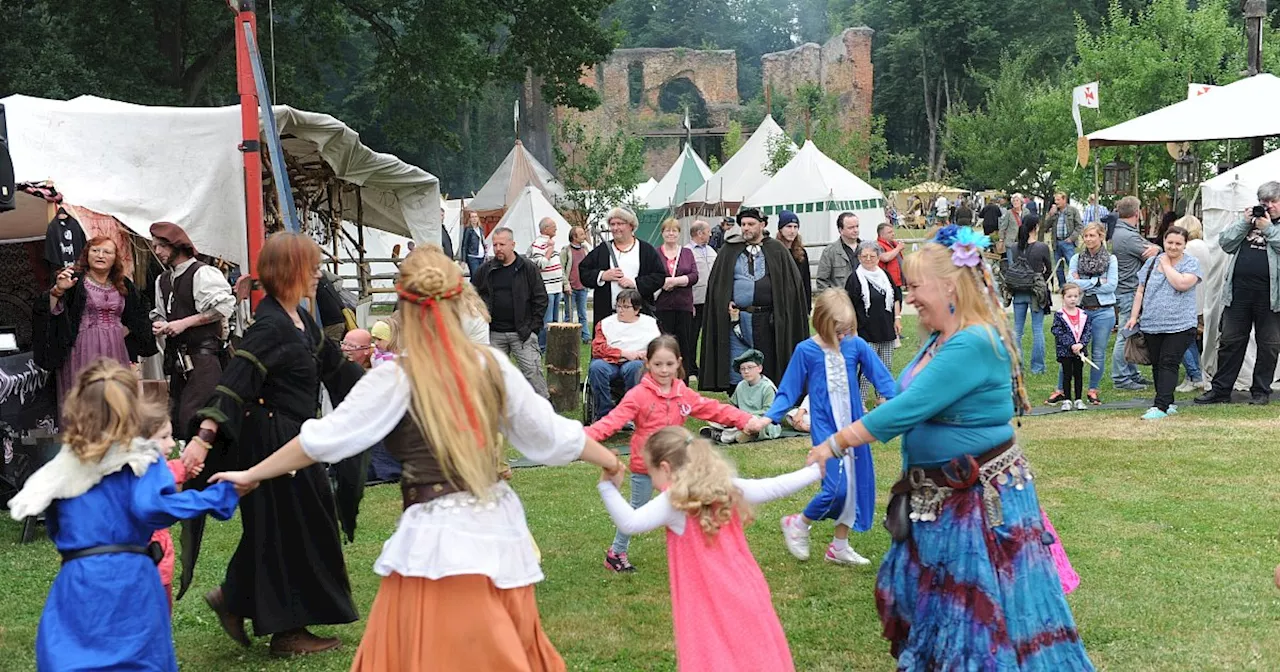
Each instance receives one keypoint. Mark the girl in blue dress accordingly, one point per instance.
(105, 493)
(826, 367)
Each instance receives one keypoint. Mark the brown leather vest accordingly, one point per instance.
(184, 305)
(423, 478)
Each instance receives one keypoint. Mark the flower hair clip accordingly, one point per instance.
(966, 244)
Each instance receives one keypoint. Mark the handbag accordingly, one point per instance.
(1135, 346)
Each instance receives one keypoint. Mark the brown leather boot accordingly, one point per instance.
(300, 641)
(231, 624)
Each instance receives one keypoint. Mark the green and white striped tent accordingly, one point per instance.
(684, 177)
(818, 189)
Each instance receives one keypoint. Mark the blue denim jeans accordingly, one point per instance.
(1063, 251)
(1022, 303)
(552, 315)
(1122, 372)
(641, 493)
(1102, 320)
(1191, 362)
(578, 298)
(600, 376)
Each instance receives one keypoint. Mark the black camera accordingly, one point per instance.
(1258, 211)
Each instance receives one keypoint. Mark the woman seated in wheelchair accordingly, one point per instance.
(617, 351)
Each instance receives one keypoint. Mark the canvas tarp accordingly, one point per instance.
(1224, 200)
(144, 164)
(1242, 109)
(818, 189)
(739, 177)
(524, 216)
(503, 188)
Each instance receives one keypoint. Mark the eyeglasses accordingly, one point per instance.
(347, 347)
(621, 306)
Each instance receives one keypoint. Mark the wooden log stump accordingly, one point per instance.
(564, 367)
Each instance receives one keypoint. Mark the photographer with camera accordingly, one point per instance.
(1251, 297)
(193, 302)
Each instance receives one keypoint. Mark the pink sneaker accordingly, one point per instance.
(617, 562)
(847, 556)
(796, 536)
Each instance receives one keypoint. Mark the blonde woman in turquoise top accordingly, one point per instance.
(969, 581)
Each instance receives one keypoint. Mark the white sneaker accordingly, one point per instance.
(846, 557)
(1066, 405)
(1173, 410)
(1206, 385)
(796, 536)
(1079, 404)
(1186, 386)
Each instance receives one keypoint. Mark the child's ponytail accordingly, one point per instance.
(701, 480)
(101, 410)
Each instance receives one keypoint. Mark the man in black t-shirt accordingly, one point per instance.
(1251, 296)
(990, 216)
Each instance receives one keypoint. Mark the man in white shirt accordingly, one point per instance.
(704, 256)
(545, 256)
(193, 302)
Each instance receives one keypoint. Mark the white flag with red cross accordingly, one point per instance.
(1085, 95)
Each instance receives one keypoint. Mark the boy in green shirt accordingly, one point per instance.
(754, 394)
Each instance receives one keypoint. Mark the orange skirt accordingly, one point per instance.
(460, 623)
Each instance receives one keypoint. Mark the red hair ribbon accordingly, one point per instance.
(429, 304)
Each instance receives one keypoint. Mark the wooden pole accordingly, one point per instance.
(564, 365)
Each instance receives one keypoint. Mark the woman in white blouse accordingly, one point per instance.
(458, 573)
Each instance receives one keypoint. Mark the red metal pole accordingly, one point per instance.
(251, 146)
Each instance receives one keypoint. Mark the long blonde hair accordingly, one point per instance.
(832, 315)
(458, 396)
(101, 410)
(701, 479)
(975, 304)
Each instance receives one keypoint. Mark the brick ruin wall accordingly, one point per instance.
(841, 66)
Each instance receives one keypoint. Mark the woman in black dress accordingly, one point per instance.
(288, 572)
(877, 303)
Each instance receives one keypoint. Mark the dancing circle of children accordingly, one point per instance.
(826, 367)
(104, 495)
(1071, 330)
(661, 399)
(721, 609)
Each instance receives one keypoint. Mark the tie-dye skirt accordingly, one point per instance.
(959, 595)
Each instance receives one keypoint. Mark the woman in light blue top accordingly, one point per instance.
(969, 581)
(1095, 270)
(1164, 310)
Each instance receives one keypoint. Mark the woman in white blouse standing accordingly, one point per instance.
(458, 573)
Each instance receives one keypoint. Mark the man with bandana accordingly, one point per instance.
(754, 301)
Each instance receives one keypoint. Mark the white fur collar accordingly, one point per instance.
(65, 476)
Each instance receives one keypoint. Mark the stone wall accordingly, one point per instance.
(842, 67)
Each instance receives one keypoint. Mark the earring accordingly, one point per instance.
(951, 307)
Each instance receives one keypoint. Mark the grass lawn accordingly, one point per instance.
(1171, 525)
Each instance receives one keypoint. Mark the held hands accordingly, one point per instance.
(625, 282)
(612, 275)
(669, 284)
(243, 483)
(193, 456)
(162, 328)
(615, 474)
(819, 455)
(757, 424)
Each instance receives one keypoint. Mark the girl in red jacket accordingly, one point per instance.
(660, 400)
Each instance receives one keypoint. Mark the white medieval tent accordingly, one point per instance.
(738, 178)
(1224, 200)
(680, 181)
(818, 189)
(504, 186)
(524, 216)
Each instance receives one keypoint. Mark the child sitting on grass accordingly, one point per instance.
(754, 394)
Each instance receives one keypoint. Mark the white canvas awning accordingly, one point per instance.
(143, 164)
(524, 216)
(818, 189)
(742, 174)
(517, 171)
(1243, 109)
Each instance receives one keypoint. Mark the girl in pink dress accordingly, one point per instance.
(154, 423)
(721, 608)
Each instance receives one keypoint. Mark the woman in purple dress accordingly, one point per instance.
(94, 311)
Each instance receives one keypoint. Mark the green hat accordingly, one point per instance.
(748, 356)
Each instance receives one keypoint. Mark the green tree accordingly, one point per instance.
(598, 172)
(733, 140)
(779, 150)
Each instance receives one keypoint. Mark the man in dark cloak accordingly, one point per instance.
(756, 276)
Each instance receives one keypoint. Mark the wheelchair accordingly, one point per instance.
(617, 388)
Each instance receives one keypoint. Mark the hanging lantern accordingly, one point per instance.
(1187, 169)
(1116, 177)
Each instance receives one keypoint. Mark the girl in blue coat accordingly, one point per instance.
(105, 493)
(826, 367)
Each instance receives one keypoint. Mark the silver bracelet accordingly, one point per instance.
(835, 447)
